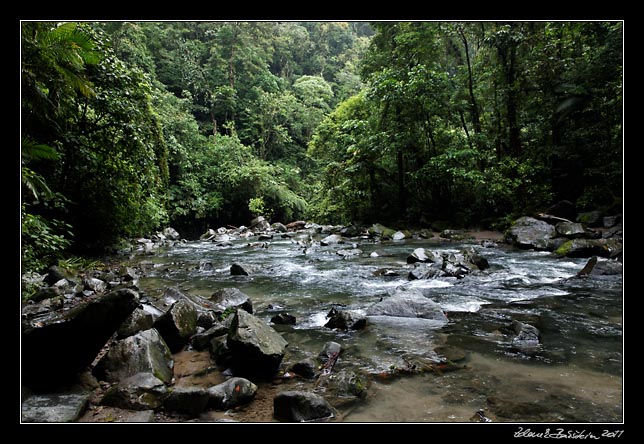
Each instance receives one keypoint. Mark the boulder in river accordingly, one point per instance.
(259, 224)
(595, 267)
(306, 368)
(408, 304)
(611, 221)
(283, 319)
(57, 346)
(424, 271)
(177, 325)
(145, 352)
(232, 393)
(296, 225)
(171, 234)
(332, 239)
(232, 298)
(527, 337)
(279, 227)
(473, 257)
(345, 320)
(381, 231)
(142, 391)
(422, 255)
(300, 406)
(238, 270)
(590, 247)
(342, 387)
(528, 232)
(255, 347)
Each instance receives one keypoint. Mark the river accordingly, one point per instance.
(575, 375)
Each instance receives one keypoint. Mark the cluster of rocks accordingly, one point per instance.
(152, 243)
(129, 344)
(591, 235)
(429, 264)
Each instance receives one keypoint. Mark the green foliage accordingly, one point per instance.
(43, 241)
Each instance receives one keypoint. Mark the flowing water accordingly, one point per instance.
(575, 375)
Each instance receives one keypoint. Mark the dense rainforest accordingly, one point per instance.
(130, 127)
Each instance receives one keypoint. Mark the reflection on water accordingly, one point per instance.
(574, 376)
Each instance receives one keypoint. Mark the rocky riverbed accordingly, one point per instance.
(303, 322)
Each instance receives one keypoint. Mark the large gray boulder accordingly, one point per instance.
(256, 348)
(190, 400)
(55, 407)
(422, 255)
(231, 298)
(591, 218)
(332, 239)
(145, 352)
(177, 325)
(300, 406)
(142, 391)
(229, 394)
(259, 224)
(345, 320)
(528, 232)
(407, 304)
(57, 346)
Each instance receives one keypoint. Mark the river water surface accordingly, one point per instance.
(575, 375)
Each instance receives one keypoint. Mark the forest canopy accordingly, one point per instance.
(129, 127)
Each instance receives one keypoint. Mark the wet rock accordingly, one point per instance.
(332, 239)
(489, 244)
(408, 305)
(94, 284)
(423, 271)
(305, 368)
(528, 232)
(527, 336)
(591, 218)
(232, 393)
(201, 341)
(451, 353)
(145, 352)
(255, 347)
(296, 225)
(59, 345)
(46, 293)
(350, 231)
(171, 234)
(142, 391)
(330, 351)
(590, 247)
(345, 320)
(342, 387)
(220, 352)
(480, 416)
(206, 265)
(472, 257)
(263, 237)
(208, 234)
(259, 224)
(611, 221)
(398, 235)
(381, 230)
(55, 407)
(418, 256)
(190, 400)
(177, 325)
(138, 320)
(238, 270)
(425, 234)
(564, 209)
(232, 298)
(573, 230)
(283, 319)
(300, 406)
(279, 227)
